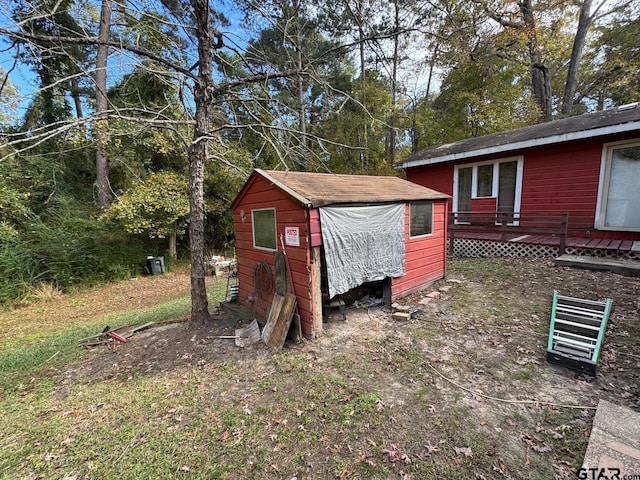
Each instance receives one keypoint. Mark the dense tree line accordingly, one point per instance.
(143, 119)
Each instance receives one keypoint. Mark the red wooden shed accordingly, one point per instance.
(337, 232)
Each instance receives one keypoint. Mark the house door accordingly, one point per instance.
(463, 194)
(507, 181)
(497, 182)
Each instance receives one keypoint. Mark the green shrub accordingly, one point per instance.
(65, 246)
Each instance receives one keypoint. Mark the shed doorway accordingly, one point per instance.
(365, 295)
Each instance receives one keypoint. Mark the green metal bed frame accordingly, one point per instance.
(576, 332)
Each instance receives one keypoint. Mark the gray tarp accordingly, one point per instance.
(362, 244)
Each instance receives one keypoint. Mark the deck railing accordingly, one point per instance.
(508, 224)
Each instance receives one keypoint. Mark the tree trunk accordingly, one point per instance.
(197, 157)
(302, 120)
(357, 16)
(540, 82)
(77, 101)
(364, 141)
(173, 244)
(102, 129)
(584, 22)
(394, 84)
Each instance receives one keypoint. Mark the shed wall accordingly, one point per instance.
(425, 256)
(289, 213)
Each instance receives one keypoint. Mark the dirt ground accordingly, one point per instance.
(472, 354)
(473, 330)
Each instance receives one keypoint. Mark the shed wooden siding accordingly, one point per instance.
(314, 226)
(425, 256)
(289, 213)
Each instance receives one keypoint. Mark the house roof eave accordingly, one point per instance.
(510, 147)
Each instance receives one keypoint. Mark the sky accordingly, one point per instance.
(26, 81)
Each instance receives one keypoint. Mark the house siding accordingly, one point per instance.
(557, 178)
(425, 256)
(289, 213)
(440, 176)
(562, 179)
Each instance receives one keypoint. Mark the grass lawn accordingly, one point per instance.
(462, 390)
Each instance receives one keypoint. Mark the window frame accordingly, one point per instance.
(603, 185)
(475, 181)
(417, 203)
(275, 229)
(494, 188)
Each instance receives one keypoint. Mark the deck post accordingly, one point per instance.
(452, 238)
(503, 226)
(563, 233)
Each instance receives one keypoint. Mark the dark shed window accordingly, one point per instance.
(264, 228)
(421, 218)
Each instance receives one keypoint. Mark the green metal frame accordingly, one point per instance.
(571, 361)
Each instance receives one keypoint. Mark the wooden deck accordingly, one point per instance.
(622, 246)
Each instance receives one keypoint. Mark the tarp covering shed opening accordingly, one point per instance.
(362, 244)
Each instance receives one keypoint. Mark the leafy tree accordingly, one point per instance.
(9, 100)
(346, 128)
(535, 22)
(135, 148)
(483, 94)
(225, 177)
(59, 66)
(157, 206)
(293, 43)
(612, 65)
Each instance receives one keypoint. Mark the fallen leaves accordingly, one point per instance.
(429, 449)
(563, 470)
(536, 444)
(501, 466)
(463, 451)
(393, 455)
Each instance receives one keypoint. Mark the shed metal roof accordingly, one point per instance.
(321, 189)
(607, 122)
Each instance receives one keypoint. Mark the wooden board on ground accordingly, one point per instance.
(282, 280)
(279, 320)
